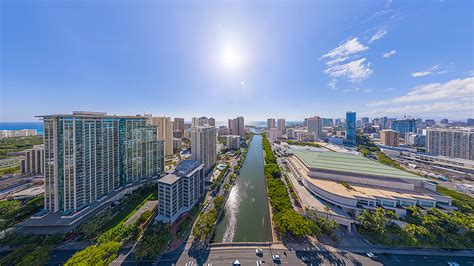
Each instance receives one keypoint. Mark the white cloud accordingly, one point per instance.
(420, 74)
(347, 48)
(356, 90)
(243, 84)
(379, 34)
(355, 70)
(453, 96)
(456, 108)
(388, 54)
(434, 70)
(453, 89)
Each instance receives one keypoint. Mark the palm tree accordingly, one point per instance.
(327, 209)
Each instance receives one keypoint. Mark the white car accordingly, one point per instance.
(276, 257)
(371, 255)
(258, 251)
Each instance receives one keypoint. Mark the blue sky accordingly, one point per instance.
(291, 59)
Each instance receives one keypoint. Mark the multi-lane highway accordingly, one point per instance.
(247, 256)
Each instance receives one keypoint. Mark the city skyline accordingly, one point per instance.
(250, 59)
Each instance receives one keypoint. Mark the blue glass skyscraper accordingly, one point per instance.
(351, 127)
(404, 126)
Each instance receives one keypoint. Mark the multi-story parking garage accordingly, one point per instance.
(355, 183)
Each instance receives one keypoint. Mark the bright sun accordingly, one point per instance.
(231, 58)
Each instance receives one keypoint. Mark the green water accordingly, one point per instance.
(246, 217)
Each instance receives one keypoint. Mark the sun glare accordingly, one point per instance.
(231, 58)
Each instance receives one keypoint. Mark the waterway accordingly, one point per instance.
(246, 217)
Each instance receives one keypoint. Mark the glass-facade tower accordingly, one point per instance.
(88, 155)
(351, 127)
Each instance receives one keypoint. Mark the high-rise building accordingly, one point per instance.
(33, 160)
(470, 122)
(281, 126)
(270, 123)
(222, 131)
(451, 142)
(290, 132)
(389, 137)
(237, 126)
(201, 121)
(404, 126)
(165, 132)
(430, 122)
(178, 124)
(233, 142)
(444, 121)
(315, 126)
(383, 122)
(177, 143)
(328, 122)
(364, 121)
(211, 121)
(203, 145)
(351, 127)
(338, 122)
(178, 192)
(272, 134)
(416, 140)
(90, 154)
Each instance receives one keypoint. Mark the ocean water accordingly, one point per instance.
(22, 125)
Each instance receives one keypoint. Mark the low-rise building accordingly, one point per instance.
(355, 183)
(179, 191)
(18, 133)
(389, 137)
(305, 136)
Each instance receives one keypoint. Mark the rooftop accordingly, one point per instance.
(344, 162)
(364, 191)
(169, 179)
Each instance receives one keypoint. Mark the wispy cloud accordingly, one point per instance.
(346, 91)
(456, 108)
(379, 34)
(347, 48)
(452, 96)
(243, 84)
(388, 54)
(355, 70)
(453, 89)
(434, 70)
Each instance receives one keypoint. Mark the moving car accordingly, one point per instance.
(276, 257)
(371, 255)
(259, 251)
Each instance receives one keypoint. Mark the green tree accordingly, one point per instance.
(272, 170)
(375, 221)
(102, 254)
(219, 202)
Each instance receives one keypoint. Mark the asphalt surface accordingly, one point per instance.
(247, 256)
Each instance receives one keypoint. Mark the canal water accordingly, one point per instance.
(246, 217)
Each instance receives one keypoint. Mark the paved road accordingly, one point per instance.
(247, 256)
